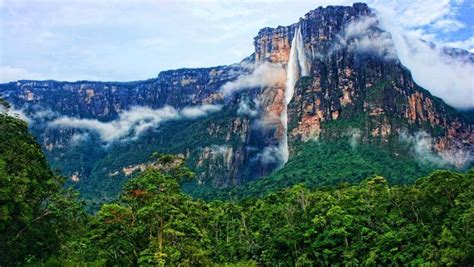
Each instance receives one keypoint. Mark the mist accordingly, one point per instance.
(422, 146)
(451, 79)
(132, 123)
(262, 75)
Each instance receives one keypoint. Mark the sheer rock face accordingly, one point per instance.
(105, 100)
(347, 82)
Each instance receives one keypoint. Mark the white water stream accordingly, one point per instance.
(298, 66)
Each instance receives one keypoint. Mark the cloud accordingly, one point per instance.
(218, 149)
(417, 13)
(448, 25)
(78, 138)
(44, 114)
(90, 37)
(18, 113)
(249, 108)
(42, 45)
(467, 44)
(452, 80)
(263, 75)
(38, 113)
(355, 136)
(422, 145)
(363, 35)
(132, 123)
(360, 27)
(270, 155)
(199, 111)
(8, 73)
(411, 22)
(152, 42)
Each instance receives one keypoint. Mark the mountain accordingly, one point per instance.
(325, 95)
(154, 223)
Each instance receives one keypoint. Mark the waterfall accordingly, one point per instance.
(302, 58)
(298, 65)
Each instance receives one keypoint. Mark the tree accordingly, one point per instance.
(36, 214)
(154, 222)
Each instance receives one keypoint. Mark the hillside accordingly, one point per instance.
(155, 223)
(320, 83)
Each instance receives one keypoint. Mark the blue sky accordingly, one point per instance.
(135, 39)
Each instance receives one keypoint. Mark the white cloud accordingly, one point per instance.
(270, 155)
(219, 149)
(417, 13)
(8, 73)
(448, 25)
(131, 123)
(64, 47)
(152, 42)
(43, 114)
(467, 44)
(358, 35)
(422, 145)
(355, 136)
(247, 107)
(360, 27)
(199, 111)
(18, 113)
(263, 75)
(452, 80)
(78, 138)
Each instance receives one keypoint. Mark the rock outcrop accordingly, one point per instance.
(351, 79)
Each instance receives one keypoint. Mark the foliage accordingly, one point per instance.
(428, 222)
(36, 214)
(152, 223)
(371, 223)
(329, 163)
(95, 161)
(4, 104)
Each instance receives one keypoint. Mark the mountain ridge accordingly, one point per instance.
(243, 140)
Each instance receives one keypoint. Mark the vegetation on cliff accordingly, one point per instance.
(155, 223)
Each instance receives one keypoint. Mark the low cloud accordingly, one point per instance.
(219, 149)
(78, 138)
(449, 78)
(355, 136)
(132, 123)
(44, 114)
(248, 107)
(422, 145)
(263, 75)
(467, 44)
(363, 35)
(32, 114)
(198, 111)
(18, 113)
(359, 27)
(270, 155)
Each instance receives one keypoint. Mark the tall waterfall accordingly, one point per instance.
(298, 65)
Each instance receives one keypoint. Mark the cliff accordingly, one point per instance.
(348, 81)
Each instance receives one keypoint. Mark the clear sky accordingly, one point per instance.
(135, 39)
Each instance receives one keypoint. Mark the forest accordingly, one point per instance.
(42, 223)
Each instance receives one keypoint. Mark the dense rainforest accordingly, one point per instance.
(153, 222)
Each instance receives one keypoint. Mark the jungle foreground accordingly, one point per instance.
(153, 222)
(320, 148)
